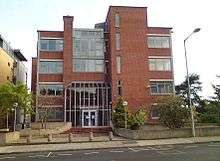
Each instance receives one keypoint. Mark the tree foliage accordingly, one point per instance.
(119, 113)
(137, 119)
(134, 120)
(212, 113)
(212, 109)
(15, 93)
(172, 111)
(195, 88)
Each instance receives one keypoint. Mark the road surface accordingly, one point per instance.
(186, 152)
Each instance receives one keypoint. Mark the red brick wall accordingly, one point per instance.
(134, 54)
(55, 34)
(50, 77)
(34, 75)
(51, 55)
(68, 49)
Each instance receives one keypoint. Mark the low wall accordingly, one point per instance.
(167, 133)
(9, 137)
(51, 128)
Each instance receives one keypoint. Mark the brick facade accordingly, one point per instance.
(135, 75)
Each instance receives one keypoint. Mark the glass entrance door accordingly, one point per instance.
(89, 118)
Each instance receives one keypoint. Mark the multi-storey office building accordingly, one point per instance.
(12, 69)
(78, 74)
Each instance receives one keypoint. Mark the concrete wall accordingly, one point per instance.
(9, 137)
(52, 128)
(167, 133)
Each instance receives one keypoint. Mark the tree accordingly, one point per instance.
(119, 114)
(212, 113)
(217, 91)
(16, 93)
(212, 108)
(172, 111)
(195, 88)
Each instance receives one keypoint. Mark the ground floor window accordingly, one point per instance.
(50, 113)
(154, 112)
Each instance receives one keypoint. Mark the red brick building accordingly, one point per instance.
(79, 73)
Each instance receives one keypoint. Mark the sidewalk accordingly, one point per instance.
(101, 145)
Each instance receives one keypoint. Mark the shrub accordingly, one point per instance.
(118, 115)
(136, 120)
(212, 113)
(172, 111)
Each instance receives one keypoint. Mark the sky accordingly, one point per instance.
(20, 20)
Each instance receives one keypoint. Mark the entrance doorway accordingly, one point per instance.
(89, 118)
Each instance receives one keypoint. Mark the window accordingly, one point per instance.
(158, 42)
(160, 64)
(117, 20)
(88, 55)
(51, 90)
(118, 63)
(85, 65)
(119, 88)
(117, 41)
(53, 113)
(154, 112)
(51, 45)
(51, 67)
(161, 87)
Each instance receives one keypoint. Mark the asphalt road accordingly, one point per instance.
(187, 152)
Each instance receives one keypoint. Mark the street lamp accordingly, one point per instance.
(188, 83)
(15, 114)
(125, 103)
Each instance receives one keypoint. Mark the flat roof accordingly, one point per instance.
(19, 55)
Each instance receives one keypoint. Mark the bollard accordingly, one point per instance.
(50, 137)
(90, 136)
(29, 139)
(110, 135)
(70, 137)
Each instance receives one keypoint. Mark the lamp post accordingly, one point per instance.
(15, 114)
(125, 103)
(188, 83)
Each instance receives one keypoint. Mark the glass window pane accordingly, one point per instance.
(161, 87)
(51, 45)
(117, 41)
(158, 42)
(160, 64)
(47, 67)
(117, 20)
(118, 63)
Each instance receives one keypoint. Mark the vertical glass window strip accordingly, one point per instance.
(118, 63)
(119, 84)
(117, 20)
(88, 55)
(117, 41)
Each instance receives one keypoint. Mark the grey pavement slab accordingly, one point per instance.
(102, 145)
